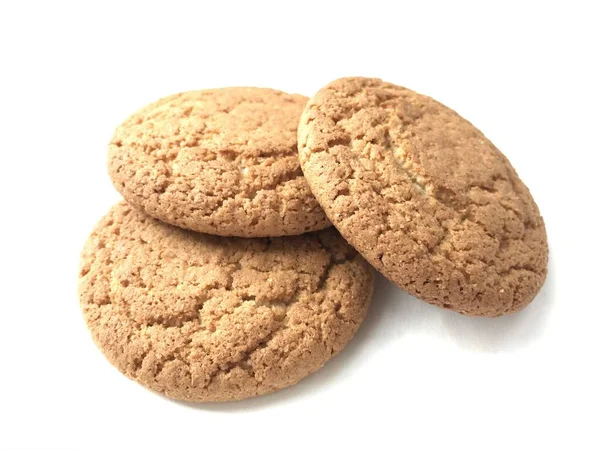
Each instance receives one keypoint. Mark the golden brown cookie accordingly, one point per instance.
(207, 318)
(423, 196)
(220, 161)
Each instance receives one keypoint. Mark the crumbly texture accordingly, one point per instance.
(220, 161)
(423, 196)
(207, 318)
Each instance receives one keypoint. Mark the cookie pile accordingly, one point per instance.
(220, 277)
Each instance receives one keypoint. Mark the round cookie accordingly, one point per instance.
(423, 196)
(220, 161)
(206, 318)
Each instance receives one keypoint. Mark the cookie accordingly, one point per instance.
(220, 161)
(424, 196)
(206, 318)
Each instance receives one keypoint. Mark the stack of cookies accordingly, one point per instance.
(221, 277)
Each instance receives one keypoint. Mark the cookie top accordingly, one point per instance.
(423, 196)
(206, 318)
(220, 161)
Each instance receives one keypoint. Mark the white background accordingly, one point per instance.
(414, 376)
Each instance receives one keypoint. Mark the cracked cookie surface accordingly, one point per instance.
(207, 318)
(220, 161)
(424, 196)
